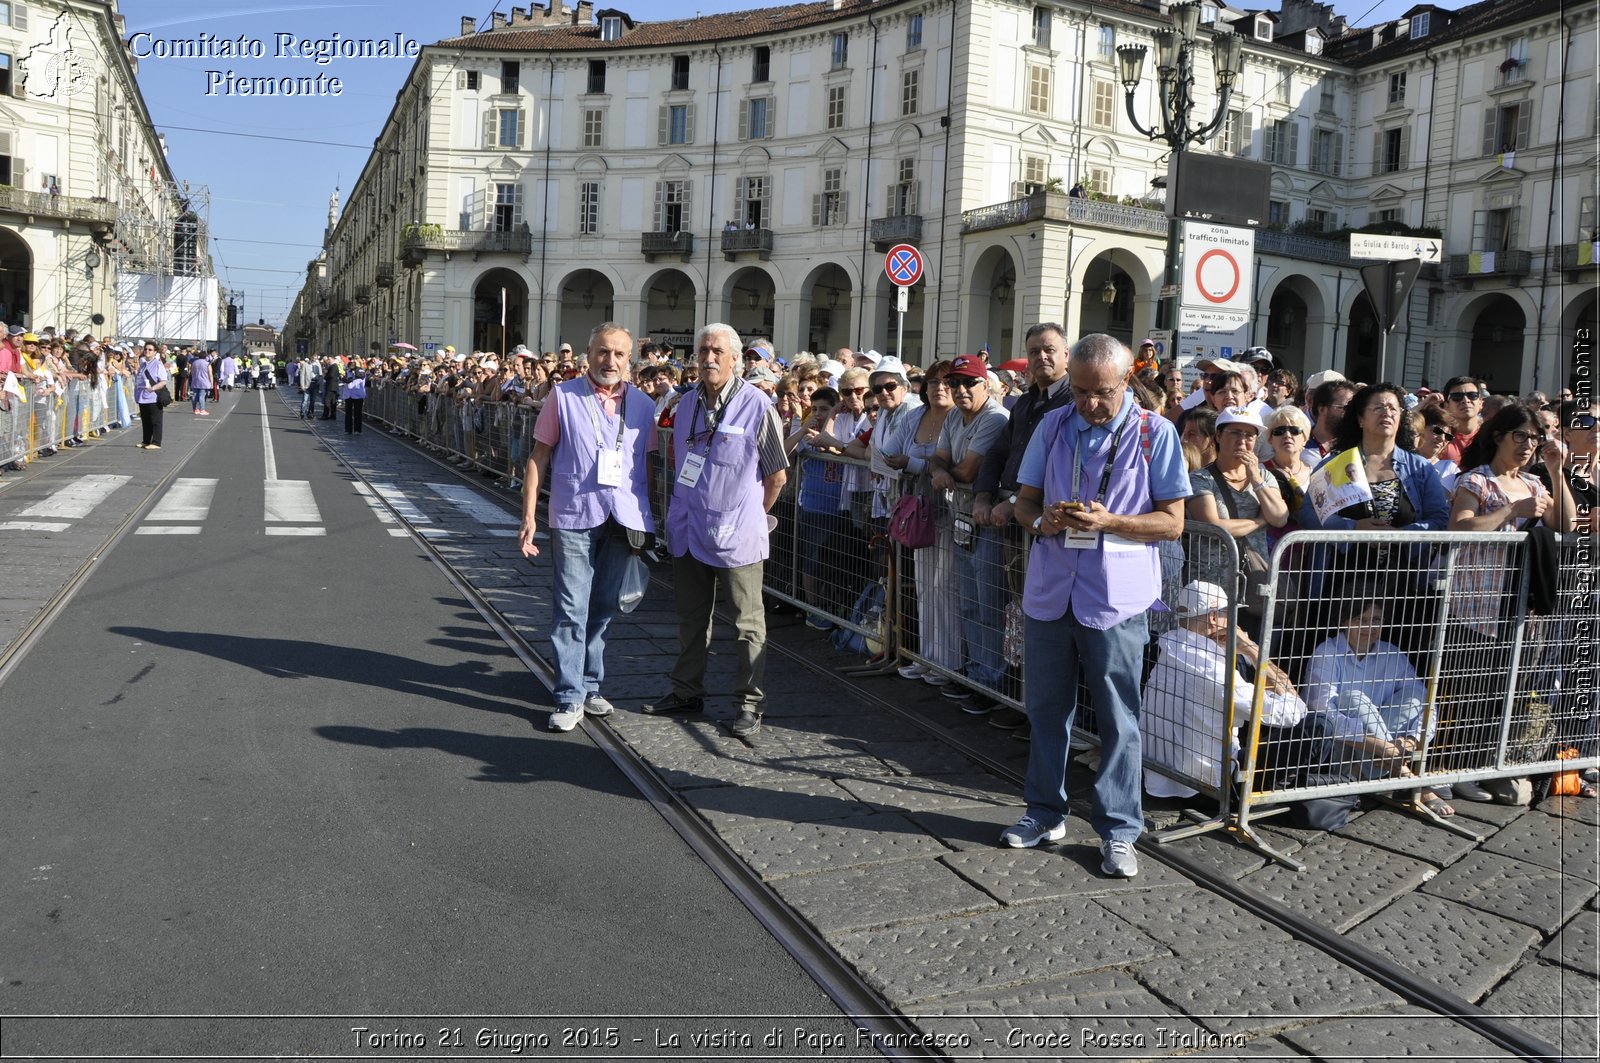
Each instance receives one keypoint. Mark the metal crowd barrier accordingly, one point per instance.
(493, 437)
(46, 419)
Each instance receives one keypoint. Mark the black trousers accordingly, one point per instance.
(352, 415)
(150, 419)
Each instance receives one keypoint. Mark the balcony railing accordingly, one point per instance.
(476, 241)
(386, 276)
(680, 243)
(1583, 256)
(45, 205)
(902, 229)
(1056, 206)
(1309, 248)
(1489, 264)
(363, 294)
(739, 241)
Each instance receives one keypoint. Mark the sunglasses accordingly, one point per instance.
(1464, 396)
(1287, 430)
(1439, 430)
(880, 389)
(1524, 438)
(1582, 422)
(965, 383)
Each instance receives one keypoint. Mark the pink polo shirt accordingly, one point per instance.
(547, 428)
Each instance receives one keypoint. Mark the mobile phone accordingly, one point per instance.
(1072, 506)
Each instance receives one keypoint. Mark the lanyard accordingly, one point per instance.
(1117, 432)
(622, 413)
(713, 417)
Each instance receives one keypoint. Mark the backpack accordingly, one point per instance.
(870, 613)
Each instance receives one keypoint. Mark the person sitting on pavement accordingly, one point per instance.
(1093, 572)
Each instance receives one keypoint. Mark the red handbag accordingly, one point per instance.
(911, 522)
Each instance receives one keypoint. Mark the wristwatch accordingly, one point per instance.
(1038, 524)
(1012, 498)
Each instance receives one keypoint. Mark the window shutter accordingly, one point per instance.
(913, 196)
(490, 117)
(661, 213)
(684, 216)
(19, 16)
(744, 119)
(461, 80)
(1294, 142)
(1246, 127)
(841, 209)
(1524, 122)
(1338, 154)
(522, 127)
(889, 203)
(516, 206)
(688, 123)
(772, 116)
(663, 117)
(1489, 146)
(1405, 148)
(817, 218)
(1480, 224)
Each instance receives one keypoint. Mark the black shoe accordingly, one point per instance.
(1007, 719)
(747, 723)
(955, 692)
(979, 705)
(1024, 733)
(672, 705)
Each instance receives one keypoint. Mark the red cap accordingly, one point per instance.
(971, 365)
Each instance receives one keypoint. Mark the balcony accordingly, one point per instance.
(363, 294)
(475, 241)
(386, 276)
(66, 208)
(1307, 248)
(680, 243)
(904, 229)
(1056, 206)
(740, 241)
(1488, 264)
(1584, 256)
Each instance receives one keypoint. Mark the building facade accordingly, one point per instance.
(566, 167)
(88, 204)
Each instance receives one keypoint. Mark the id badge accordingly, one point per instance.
(963, 532)
(1080, 540)
(693, 466)
(609, 471)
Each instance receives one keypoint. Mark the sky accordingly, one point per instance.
(270, 163)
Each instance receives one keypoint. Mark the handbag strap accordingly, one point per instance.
(1228, 500)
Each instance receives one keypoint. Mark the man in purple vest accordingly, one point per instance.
(730, 462)
(1101, 483)
(592, 436)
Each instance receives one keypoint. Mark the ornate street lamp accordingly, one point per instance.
(1175, 63)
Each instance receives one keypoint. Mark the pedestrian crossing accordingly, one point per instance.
(182, 510)
(65, 505)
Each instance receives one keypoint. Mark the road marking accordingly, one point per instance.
(291, 502)
(496, 521)
(189, 498)
(167, 529)
(284, 530)
(383, 515)
(32, 525)
(266, 439)
(77, 499)
(402, 505)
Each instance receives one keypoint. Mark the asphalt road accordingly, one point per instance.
(252, 774)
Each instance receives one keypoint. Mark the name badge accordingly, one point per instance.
(693, 466)
(732, 430)
(609, 470)
(1080, 540)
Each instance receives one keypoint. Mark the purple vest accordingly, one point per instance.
(1103, 586)
(577, 501)
(720, 520)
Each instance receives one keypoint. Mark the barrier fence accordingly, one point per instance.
(46, 418)
(1363, 663)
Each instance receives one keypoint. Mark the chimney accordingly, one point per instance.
(584, 16)
(520, 17)
(557, 13)
(497, 20)
(469, 25)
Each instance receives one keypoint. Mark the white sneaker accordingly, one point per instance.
(595, 705)
(936, 679)
(1029, 832)
(566, 717)
(913, 671)
(1118, 859)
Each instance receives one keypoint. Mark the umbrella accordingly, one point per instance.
(1016, 365)
(401, 347)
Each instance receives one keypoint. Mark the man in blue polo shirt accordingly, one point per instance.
(1102, 482)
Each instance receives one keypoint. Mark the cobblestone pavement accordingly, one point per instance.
(885, 840)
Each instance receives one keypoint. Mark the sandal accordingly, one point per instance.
(1437, 805)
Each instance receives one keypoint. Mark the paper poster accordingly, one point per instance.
(1341, 482)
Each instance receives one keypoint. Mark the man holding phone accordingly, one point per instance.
(1102, 482)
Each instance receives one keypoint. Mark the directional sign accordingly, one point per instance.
(1218, 267)
(1387, 286)
(1395, 248)
(903, 265)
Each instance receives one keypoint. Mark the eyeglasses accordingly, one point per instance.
(1582, 422)
(1439, 430)
(935, 382)
(751, 356)
(1524, 438)
(852, 391)
(1464, 396)
(965, 383)
(880, 389)
(1287, 430)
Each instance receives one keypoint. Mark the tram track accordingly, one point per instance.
(857, 998)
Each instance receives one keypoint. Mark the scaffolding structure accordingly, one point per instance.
(166, 288)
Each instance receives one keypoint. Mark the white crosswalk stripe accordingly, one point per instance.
(291, 502)
(496, 521)
(383, 515)
(186, 501)
(77, 499)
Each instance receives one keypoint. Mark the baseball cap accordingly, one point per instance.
(761, 349)
(1221, 365)
(872, 356)
(16, 330)
(1198, 598)
(971, 365)
(891, 366)
(1316, 380)
(1147, 343)
(520, 351)
(567, 347)
(449, 349)
(28, 337)
(1258, 354)
(1240, 415)
(831, 368)
(761, 374)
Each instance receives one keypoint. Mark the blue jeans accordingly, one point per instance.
(308, 400)
(980, 593)
(1111, 664)
(197, 398)
(589, 565)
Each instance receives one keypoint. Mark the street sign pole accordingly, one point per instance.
(903, 266)
(902, 299)
(1388, 285)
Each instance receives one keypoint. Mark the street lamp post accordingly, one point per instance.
(1175, 50)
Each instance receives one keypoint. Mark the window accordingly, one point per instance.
(1327, 151)
(10, 166)
(1586, 219)
(588, 207)
(672, 206)
(594, 128)
(507, 216)
(1419, 24)
(680, 72)
(908, 92)
(1393, 149)
(1390, 216)
(1041, 27)
(1208, 14)
(836, 101)
(510, 76)
(761, 67)
(1105, 105)
(677, 124)
(1284, 84)
(597, 76)
(1326, 98)
(1514, 67)
(914, 33)
(1283, 142)
(1313, 44)
(5, 74)
(1263, 28)
(1277, 213)
(1237, 131)
(841, 50)
(1105, 42)
(611, 28)
(1506, 128)
(1397, 89)
(503, 127)
(903, 194)
(1039, 90)
(469, 80)
(756, 118)
(14, 15)
(1494, 230)
(828, 207)
(1320, 220)
(1099, 181)
(1035, 173)
(754, 205)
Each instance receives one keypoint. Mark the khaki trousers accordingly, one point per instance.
(694, 591)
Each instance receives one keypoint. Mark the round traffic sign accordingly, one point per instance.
(1224, 273)
(903, 265)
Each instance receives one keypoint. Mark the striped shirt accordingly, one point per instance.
(771, 454)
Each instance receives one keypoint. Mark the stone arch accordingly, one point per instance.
(750, 294)
(989, 290)
(1295, 300)
(829, 300)
(499, 309)
(16, 279)
(585, 297)
(670, 298)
